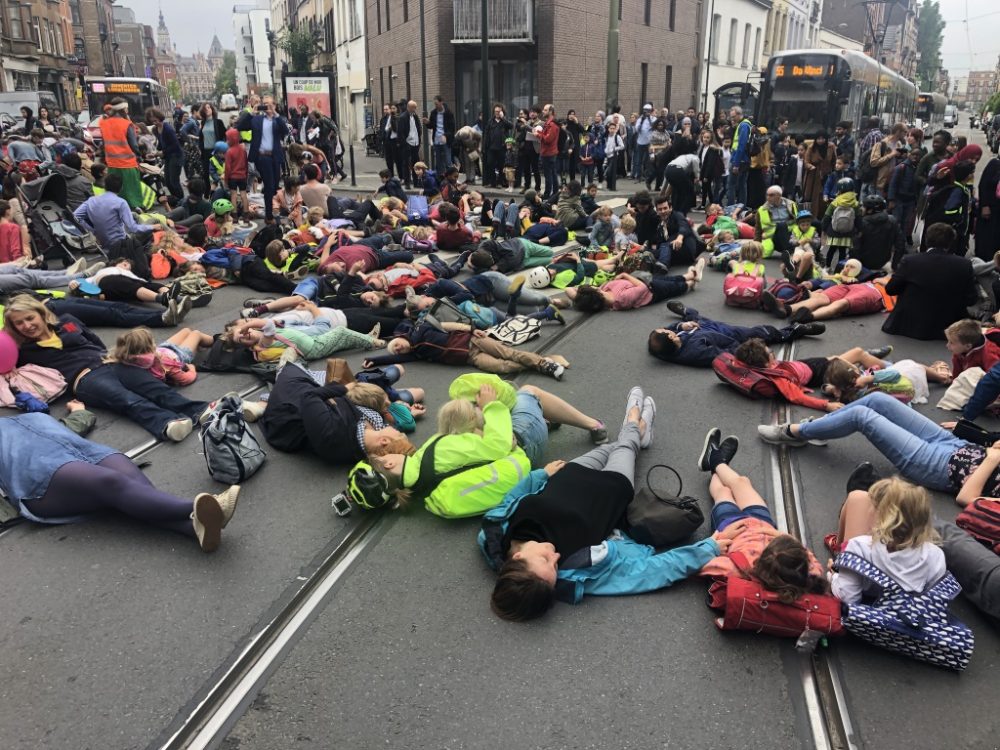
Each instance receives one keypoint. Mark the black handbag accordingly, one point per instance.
(663, 519)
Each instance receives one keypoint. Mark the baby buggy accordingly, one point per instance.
(54, 231)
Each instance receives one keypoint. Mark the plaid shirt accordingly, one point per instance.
(869, 141)
(368, 417)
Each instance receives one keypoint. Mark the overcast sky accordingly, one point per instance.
(974, 46)
(192, 23)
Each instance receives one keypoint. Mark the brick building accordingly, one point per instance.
(982, 84)
(93, 38)
(540, 51)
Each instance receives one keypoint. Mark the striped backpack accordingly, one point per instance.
(915, 625)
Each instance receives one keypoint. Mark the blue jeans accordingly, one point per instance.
(736, 187)
(551, 174)
(505, 214)
(914, 444)
(95, 312)
(442, 158)
(529, 426)
(387, 257)
(270, 173)
(726, 512)
(686, 253)
(665, 287)
(639, 158)
(719, 186)
(308, 288)
(134, 393)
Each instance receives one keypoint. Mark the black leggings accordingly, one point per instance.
(125, 288)
(260, 278)
(363, 319)
(115, 483)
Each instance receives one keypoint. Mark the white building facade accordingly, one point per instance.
(792, 24)
(733, 45)
(253, 51)
(353, 87)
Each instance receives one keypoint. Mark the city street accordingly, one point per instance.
(308, 630)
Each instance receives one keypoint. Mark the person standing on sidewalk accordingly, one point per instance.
(739, 164)
(441, 125)
(494, 135)
(643, 127)
(170, 147)
(390, 141)
(267, 131)
(548, 136)
(121, 147)
(408, 133)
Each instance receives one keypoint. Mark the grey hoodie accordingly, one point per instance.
(914, 568)
(78, 187)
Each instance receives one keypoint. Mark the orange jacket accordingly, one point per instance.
(117, 153)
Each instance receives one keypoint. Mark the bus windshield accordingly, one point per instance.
(801, 89)
(925, 107)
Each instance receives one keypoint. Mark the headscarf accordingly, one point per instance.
(972, 152)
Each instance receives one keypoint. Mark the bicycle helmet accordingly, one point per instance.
(220, 147)
(803, 215)
(845, 185)
(222, 207)
(874, 203)
(367, 488)
(537, 278)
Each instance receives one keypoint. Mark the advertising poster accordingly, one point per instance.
(313, 91)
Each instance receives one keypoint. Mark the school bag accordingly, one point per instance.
(481, 316)
(417, 209)
(743, 290)
(414, 245)
(744, 604)
(232, 451)
(788, 292)
(915, 625)
(866, 172)
(516, 330)
(446, 311)
(760, 382)
(842, 220)
(981, 520)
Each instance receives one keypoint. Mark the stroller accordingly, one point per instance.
(54, 231)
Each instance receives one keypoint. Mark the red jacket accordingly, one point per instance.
(985, 355)
(236, 157)
(550, 138)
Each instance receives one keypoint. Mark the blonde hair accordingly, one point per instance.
(902, 514)
(458, 417)
(25, 303)
(604, 211)
(752, 251)
(628, 224)
(132, 344)
(393, 204)
(369, 396)
(314, 216)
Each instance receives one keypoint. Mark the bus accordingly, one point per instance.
(814, 89)
(141, 94)
(929, 114)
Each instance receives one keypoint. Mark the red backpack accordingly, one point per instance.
(982, 521)
(743, 290)
(755, 382)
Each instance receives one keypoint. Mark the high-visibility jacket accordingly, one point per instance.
(117, 153)
(246, 135)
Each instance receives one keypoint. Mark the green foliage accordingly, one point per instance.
(301, 46)
(174, 90)
(930, 31)
(993, 103)
(225, 78)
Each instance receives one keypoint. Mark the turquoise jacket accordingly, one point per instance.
(618, 565)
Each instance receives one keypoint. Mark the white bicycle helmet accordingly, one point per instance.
(538, 278)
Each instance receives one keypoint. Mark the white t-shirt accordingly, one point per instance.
(914, 568)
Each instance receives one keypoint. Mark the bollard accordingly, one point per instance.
(354, 177)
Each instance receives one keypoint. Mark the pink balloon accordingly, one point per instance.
(8, 353)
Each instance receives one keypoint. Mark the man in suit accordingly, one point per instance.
(441, 125)
(408, 132)
(267, 131)
(387, 134)
(932, 289)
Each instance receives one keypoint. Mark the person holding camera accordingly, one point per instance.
(268, 130)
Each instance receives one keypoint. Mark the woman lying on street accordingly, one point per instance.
(921, 451)
(52, 474)
(549, 539)
(66, 345)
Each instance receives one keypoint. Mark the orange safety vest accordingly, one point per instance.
(117, 153)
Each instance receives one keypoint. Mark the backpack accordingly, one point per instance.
(232, 451)
(416, 208)
(267, 234)
(915, 625)
(866, 172)
(982, 521)
(515, 330)
(412, 244)
(842, 220)
(755, 382)
(446, 311)
(746, 605)
(743, 290)
(788, 292)
(481, 316)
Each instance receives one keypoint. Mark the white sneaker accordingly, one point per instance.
(178, 429)
(253, 410)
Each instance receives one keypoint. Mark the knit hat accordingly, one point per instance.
(530, 195)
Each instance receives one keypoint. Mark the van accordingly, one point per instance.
(950, 116)
(12, 101)
(227, 103)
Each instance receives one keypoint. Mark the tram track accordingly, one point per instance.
(822, 683)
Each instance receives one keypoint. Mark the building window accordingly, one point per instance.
(355, 13)
(642, 85)
(391, 97)
(734, 26)
(620, 4)
(673, 13)
(406, 11)
(668, 84)
(388, 23)
(747, 30)
(648, 12)
(755, 63)
(378, 16)
(408, 89)
(125, 36)
(713, 52)
(74, 9)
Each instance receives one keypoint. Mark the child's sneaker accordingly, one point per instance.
(552, 313)
(552, 369)
(178, 429)
(599, 434)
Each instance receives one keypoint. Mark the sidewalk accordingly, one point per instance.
(367, 168)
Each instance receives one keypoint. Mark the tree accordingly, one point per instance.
(930, 30)
(301, 46)
(174, 90)
(225, 78)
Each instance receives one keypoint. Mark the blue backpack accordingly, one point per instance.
(915, 625)
(417, 210)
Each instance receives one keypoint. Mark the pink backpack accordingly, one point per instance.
(743, 290)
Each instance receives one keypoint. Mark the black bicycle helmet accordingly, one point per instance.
(845, 185)
(367, 488)
(874, 202)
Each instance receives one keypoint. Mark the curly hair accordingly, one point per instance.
(783, 567)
